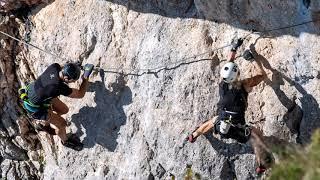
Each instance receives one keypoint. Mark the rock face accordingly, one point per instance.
(261, 15)
(158, 80)
(17, 144)
(11, 5)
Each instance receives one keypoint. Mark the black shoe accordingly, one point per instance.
(73, 142)
(260, 170)
(191, 138)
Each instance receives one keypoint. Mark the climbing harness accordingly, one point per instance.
(165, 67)
(27, 104)
(30, 109)
(226, 123)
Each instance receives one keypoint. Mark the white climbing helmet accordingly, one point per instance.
(229, 72)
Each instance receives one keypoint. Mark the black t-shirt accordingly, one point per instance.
(233, 99)
(48, 86)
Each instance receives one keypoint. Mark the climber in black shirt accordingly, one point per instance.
(42, 102)
(230, 123)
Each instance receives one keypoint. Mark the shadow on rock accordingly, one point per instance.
(228, 149)
(101, 124)
(249, 15)
(310, 112)
(21, 8)
(300, 119)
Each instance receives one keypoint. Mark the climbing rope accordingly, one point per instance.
(167, 66)
(288, 27)
(280, 28)
(31, 45)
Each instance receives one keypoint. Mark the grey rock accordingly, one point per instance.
(160, 171)
(11, 5)
(133, 122)
(13, 148)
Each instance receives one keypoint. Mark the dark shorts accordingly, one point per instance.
(35, 113)
(40, 115)
(240, 134)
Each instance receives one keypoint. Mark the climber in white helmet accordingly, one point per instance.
(230, 123)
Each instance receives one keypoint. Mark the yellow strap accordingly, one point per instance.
(23, 96)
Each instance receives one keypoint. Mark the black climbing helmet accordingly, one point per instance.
(71, 70)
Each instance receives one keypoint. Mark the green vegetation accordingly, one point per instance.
(296, 163)
(299, 164)
(42, 161)
(188, 174)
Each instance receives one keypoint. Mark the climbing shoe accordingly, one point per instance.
(260, 170)
(191, 138)
(247, 55)
(73, 142)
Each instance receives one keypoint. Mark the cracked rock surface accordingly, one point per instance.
(19, 147)
(133, 123)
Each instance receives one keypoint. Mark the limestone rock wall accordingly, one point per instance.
(133, 122)
(262, 15)
(17, 143)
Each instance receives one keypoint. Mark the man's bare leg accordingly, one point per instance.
(263, 153)
(205, 127)
(59, 124)
(59, 107)
(258, 140)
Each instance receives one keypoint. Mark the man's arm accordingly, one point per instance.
(235, 46)
(255, 80)
(79, 93)
(232, 56)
